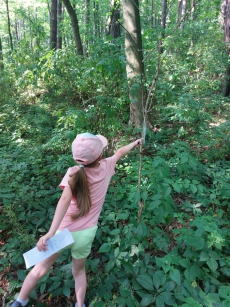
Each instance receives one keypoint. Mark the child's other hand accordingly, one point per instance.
(41, 244)
(138, 142)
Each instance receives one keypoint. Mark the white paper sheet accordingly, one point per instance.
(54, 244)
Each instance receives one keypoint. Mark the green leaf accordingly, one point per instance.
(160, 301)
(167, 298)
(54, 286)
(109, 265)
(192, 273)
(193, 188)
(99, 304)
(212, 263)
(147, 300)
(177, 187)
(158, 279)
(204, 256)
(105, 248)
(42, 287)
(124, 292)
(144, 195)
(224, 292)
(66, 291)
(154, 204)
(129, 301)
(21, 275)
(226, 271)
(145, 281)
(175, 276)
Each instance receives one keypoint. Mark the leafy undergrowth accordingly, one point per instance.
(177, 255)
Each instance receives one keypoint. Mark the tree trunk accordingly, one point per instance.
(226, 21)
(183, 12)
(87, 26)
(8, 25)
(1, 55)
(112, 24)
(179, 6)
(59, 24)
(96, 19)
(192, 19)
(134, 60)
(53, 25)
(153, 17)
(74, 25)
(163, 25)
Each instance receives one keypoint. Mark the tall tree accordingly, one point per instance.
(74, 25)
(1, 55)
(87, 26)
(59, 24)
(134, 60)
(183, 11)
(226, 22)
(163, 24)
(113, 24)
(8, 25)
(53, 25)
(96, 19)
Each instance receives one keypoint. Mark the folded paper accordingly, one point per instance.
(54, 244)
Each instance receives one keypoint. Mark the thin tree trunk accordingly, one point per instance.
(163, 25)
(8, 25)
(75, 26)
(53, 25)
(1, 55)
(183, 11)
(153, 17)
(134, 60)
(59, 24)
(87, 26)
(96, 19)
(192, 19)
(16, 30)
(112, 24)
(179, 11)
(30, 30)
(226, 22)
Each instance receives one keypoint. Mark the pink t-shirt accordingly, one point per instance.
(99, 179)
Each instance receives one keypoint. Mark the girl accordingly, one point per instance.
(84, 190)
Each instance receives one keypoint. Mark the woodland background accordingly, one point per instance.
(120, 69)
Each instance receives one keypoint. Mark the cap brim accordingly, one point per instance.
(103, 140)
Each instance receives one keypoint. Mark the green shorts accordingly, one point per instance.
(83, 240)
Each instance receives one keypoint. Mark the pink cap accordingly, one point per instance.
(87, 147)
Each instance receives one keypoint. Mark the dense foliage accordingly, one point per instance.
(178, 254)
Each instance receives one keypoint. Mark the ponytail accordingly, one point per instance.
(80, 190)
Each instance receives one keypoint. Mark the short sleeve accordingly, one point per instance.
(112, 162)
(66, 178)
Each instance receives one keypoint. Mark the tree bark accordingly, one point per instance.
(163, 25)
(8, 25)
(1, 55)
(226, 22)
(59, 23)
(179, 6)
(183, 12)
(112, 24)
(53, 25)
(96, 19)
(74, 25)
(87, 26)
(134, 60)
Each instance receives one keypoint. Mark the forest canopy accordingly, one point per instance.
(126, 69)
